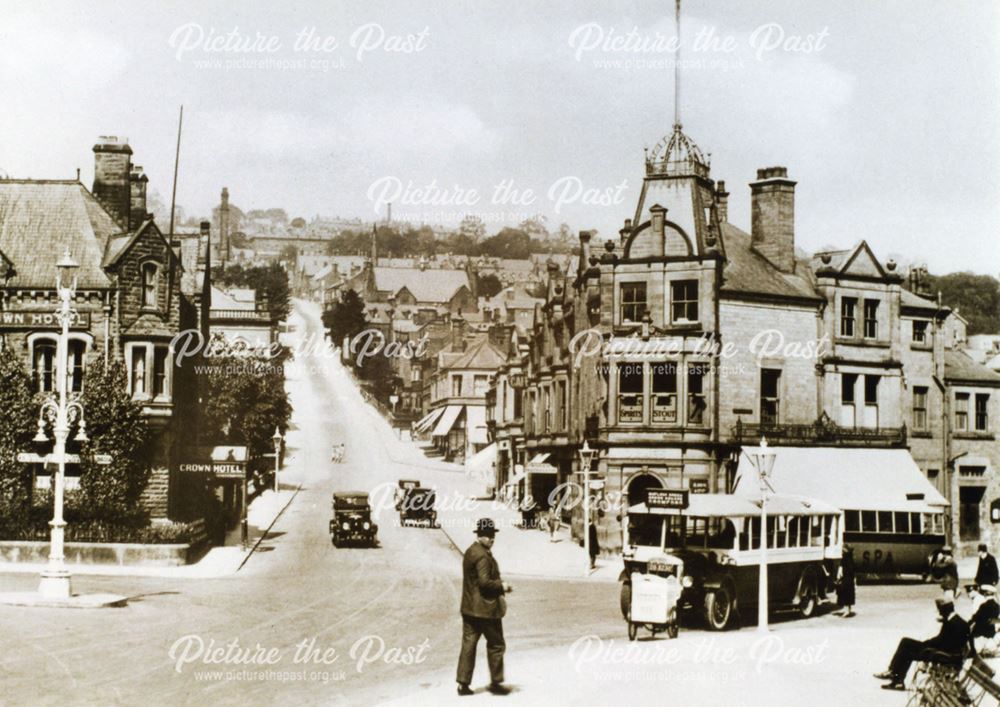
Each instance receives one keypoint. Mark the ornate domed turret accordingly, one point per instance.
(677, 155)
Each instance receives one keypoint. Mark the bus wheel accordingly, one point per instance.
(719, 609)
(808, 597)
(625, 598)
(633, 630)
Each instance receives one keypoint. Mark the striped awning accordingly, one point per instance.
(447, 420)
(427, 420)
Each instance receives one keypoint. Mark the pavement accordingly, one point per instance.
(307, 623)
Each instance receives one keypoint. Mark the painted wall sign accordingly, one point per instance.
(41, 320)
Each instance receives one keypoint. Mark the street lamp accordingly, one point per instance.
(277, 439)
(586, 456)
(61, 412)
(763, 461)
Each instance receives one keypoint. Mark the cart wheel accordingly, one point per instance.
(633, 629)
(672, 630)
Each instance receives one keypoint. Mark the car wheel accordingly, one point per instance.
(719, 609)
(625, 599)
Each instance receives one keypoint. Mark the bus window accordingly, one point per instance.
(885, 521)
(721, 533)
(793, 531)
(745, 535)
(852, 521)
(804, 531)
(902, 522)
(816, 532)
(755, 533)
(827, 530)
(645, 529)
(781, 531)
(868, 521)
(696, 532)
(915, 523)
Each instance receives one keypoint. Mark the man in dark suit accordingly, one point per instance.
(949, 644)
(986, 572)
(483, 608)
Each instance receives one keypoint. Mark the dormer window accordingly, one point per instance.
(149, 277)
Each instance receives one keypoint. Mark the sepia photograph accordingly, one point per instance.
(555, 352)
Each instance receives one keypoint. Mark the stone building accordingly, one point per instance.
(129, 298)
(688, 339)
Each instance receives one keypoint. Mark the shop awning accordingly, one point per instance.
(447, 420)
(537, 465)
(427, 420)
(475, 424)
(851, 479)
(481, 463)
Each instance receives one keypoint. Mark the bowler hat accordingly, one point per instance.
(982, 548)
(485, 528)
(987, 589)
(945, 605)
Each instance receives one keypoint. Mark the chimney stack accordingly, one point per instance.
(137, 213)
(224, 227)
(722, 202)
(204, 241)
(772, 229)
(112, 169)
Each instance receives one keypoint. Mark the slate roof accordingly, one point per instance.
(748, 272)
(480, 354)
(959, 367)
(40, 219)
(430, 285)
(910, 299)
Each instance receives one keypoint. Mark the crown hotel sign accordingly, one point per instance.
(44, 319)
(222, 462)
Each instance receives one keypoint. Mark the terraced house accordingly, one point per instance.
(129, 297)
(686, 339)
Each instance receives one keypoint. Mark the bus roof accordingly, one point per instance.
(728, 505)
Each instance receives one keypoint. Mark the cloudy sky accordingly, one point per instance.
(885, 113)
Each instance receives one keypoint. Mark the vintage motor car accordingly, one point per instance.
(416, 504)
(352, 519)
(716, 539)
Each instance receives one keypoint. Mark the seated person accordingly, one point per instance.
(985, 611)
(952, 640)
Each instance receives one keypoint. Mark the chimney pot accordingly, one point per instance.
(112, 168)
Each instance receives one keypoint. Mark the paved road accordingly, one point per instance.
(298, 588)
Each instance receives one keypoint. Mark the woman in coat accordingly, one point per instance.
(845, 582)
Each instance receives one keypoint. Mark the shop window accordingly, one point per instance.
(770, 395)
(630, 392)
(696, 395)
(664, 392)
(684, 301)
(848, 307)
(633, 302)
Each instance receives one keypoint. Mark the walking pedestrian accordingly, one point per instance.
(595, 548)
(554, 523)
(949, 573)
(846, 582)
(483, 608)
(986, 571)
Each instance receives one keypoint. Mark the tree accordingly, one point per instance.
(346, 318)
(487, 285)
(289, 253)
(117, 427)
(270, 282)
(976, 296)
(508, 243)
(298, 222)
(16, 428)
(535, 227)
(243, 404)
(472, 227)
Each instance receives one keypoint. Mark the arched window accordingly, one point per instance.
(45, 364)
(149, 278)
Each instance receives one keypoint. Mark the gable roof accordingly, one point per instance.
(41, 219)
(481, 354)
(430, 285)
(117, 246)
(748, 272)
(960, 368)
